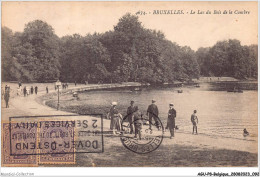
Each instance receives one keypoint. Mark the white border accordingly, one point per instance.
(119, 171)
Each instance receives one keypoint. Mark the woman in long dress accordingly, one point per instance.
(116, 117)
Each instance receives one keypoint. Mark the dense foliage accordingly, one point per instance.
(229, 58)
(130, 52)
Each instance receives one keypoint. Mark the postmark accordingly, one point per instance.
(147, 136)
(56, 139)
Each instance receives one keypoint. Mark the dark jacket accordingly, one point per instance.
(6, 96)
(172, 113)
(171, 118)
(130, 111)
(137, 117)
(153, 110)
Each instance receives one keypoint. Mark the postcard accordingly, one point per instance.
(129, 84)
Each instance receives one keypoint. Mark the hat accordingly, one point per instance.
(153, 101)
(171, 104)
(132, 101)
(114, 103)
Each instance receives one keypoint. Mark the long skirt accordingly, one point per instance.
(115, 123)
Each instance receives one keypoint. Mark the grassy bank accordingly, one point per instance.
(70, 104)
(169, 154)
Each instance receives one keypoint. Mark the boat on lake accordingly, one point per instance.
(180, 91)
(136, 89)
(197, 85)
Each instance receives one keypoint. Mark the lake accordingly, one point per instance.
(220, 113)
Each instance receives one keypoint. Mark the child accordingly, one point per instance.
(195, 121)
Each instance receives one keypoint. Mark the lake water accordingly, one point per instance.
(220, 113)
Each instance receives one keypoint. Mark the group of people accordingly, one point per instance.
(65, 85)
(134, 117)
(27, 91)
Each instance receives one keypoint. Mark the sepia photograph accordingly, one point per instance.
(129, 84)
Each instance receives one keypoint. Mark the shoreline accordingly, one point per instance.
(88, 108)
(183, 150)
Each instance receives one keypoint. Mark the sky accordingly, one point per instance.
(194, 30)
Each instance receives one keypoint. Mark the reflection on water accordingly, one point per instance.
(220, 113)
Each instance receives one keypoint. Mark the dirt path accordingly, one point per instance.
(20, 105)
(29, 106)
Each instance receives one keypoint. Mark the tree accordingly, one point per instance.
(190, 64)
(11, 68)
(203, 59)
(84, 59)
(252, 59)
(38, 51)
(7, 59)
(129, 52)
(230, 58)
(70, 54)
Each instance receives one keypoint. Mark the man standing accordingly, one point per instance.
(19, 84)
(195, 121)
(36, 89)
(171, 120)
(47, 89)
(6, 97)
(138, 122)
(153, 113)
(31, 90)
(130, 111)
(24, 91)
